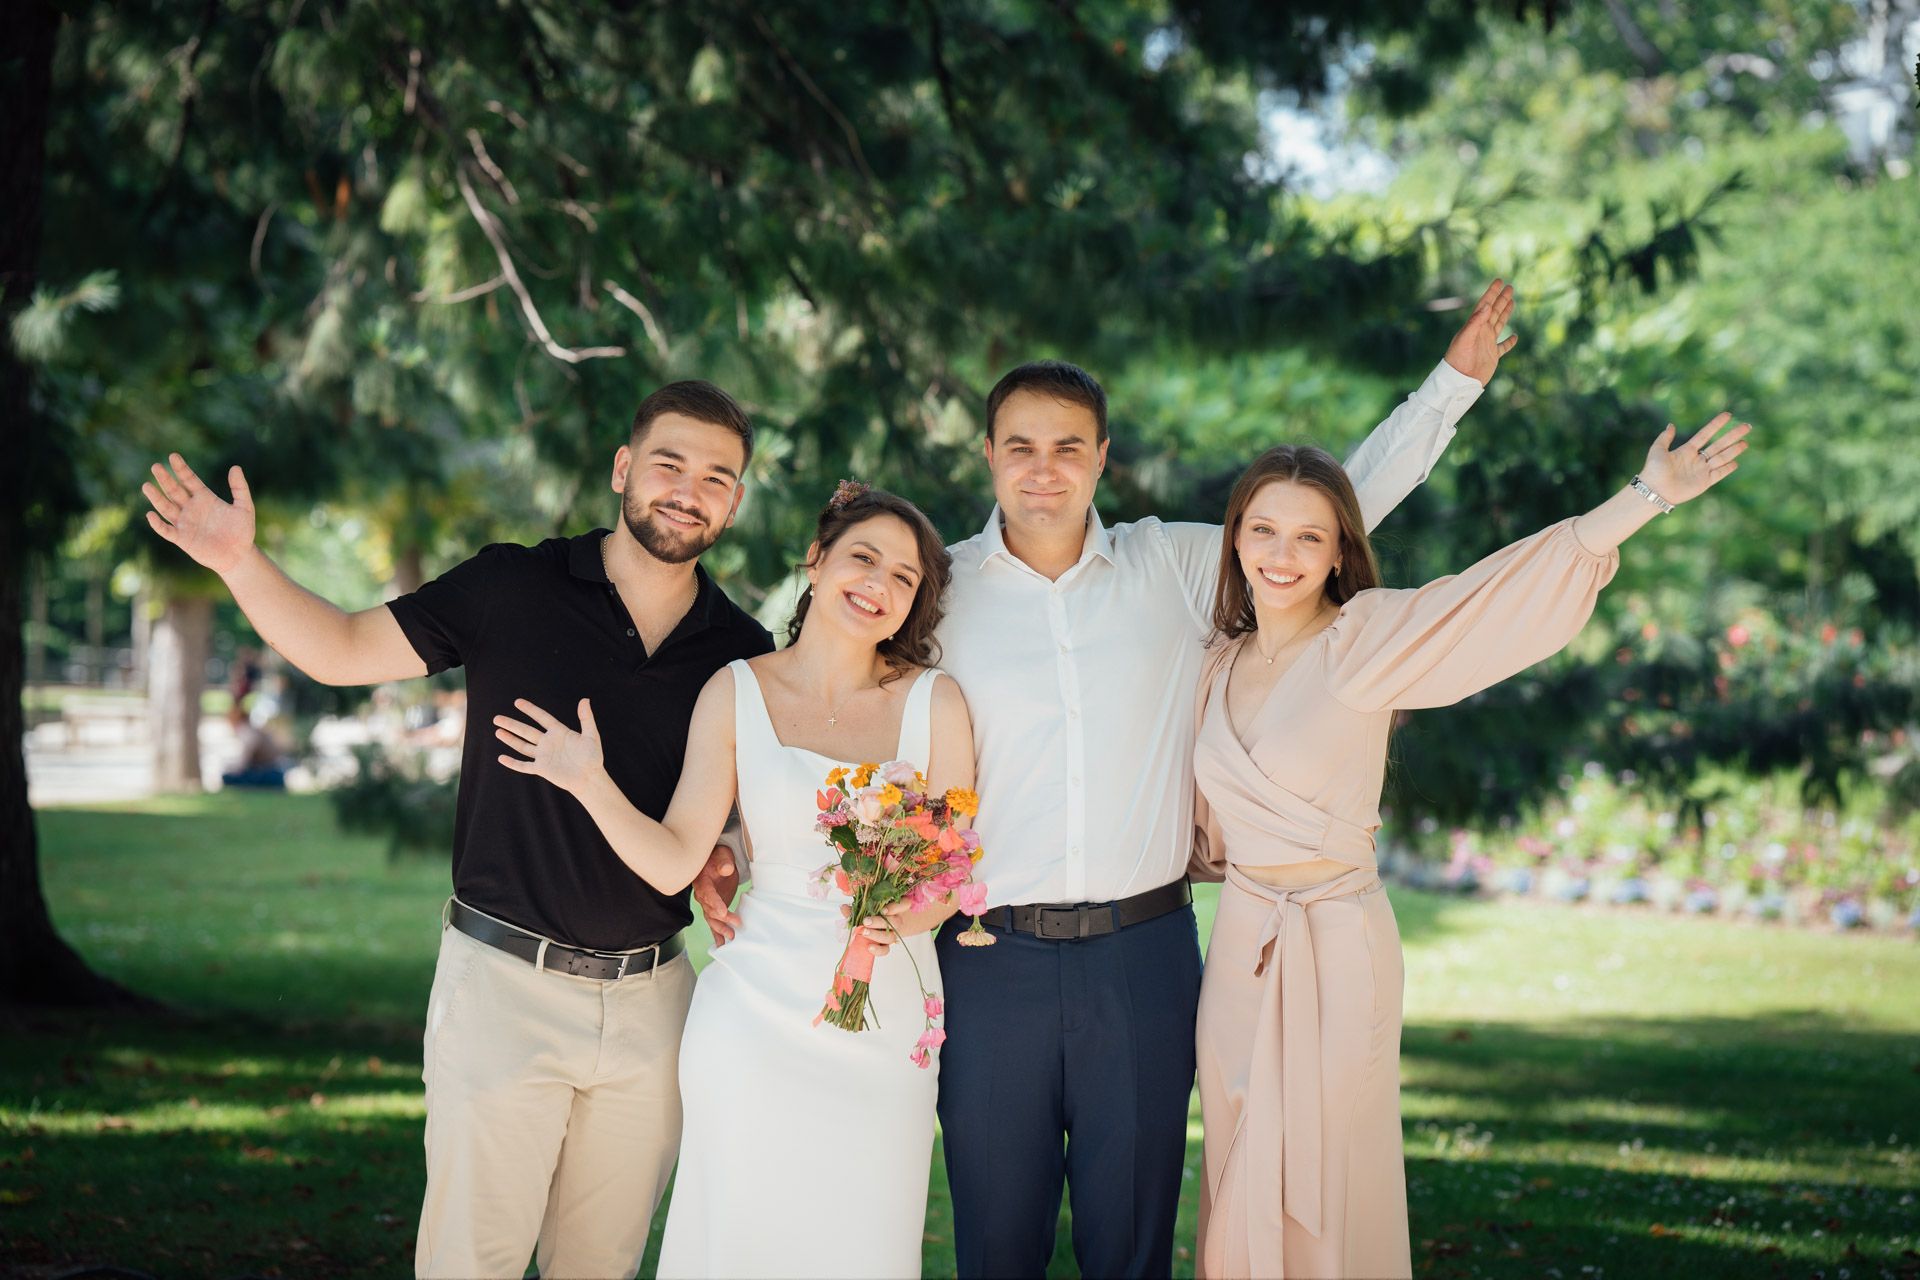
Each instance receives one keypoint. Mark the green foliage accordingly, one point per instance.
(395, 798)
(40, 328)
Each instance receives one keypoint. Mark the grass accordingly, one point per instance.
(1587, 1092)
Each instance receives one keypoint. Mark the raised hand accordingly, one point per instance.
(1706, 459)
(548, 749)
(193, 518)
(1476, 349)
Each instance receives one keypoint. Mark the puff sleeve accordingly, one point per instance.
(1434, 645)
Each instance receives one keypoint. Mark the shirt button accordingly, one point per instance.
(1075, 779)
(1064, 648)
(630, 631)
(1073, 713)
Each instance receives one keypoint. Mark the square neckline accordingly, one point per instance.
(899, 736)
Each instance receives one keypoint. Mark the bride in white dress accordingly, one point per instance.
(807, 1148)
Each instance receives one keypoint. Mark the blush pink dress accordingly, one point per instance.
(1300, 1008)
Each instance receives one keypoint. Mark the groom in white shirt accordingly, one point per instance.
(1070, 1050)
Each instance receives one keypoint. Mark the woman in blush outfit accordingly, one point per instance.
(1299, 1028)
(807, 1148)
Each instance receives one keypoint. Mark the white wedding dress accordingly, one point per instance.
(806, 1149)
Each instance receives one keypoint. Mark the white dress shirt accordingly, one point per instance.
(1082, 689)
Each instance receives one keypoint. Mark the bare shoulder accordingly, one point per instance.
(950, 702)
(716, 698)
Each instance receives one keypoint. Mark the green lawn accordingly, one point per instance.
(1587, 1093)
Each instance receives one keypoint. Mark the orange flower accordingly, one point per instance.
(837, 777)
(890, 794)
(961, 800)
(863, 775)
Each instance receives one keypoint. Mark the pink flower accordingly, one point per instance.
(1738, 635)
(932, 1038)
(968, 938)
(971, 899)
(900, 773)
(920, 1058)
(934, 1006)
(867, 805)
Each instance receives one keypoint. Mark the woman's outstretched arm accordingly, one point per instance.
(668, 854)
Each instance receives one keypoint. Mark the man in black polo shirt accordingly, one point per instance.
(553, 1030)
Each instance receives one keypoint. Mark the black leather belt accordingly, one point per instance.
(1064, 921)
(544, 953)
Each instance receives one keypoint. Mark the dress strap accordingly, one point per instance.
(916, 722)
(751, 723)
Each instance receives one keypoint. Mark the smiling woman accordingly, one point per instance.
(879, 556)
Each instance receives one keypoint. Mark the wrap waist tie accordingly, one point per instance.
(1284, 1176)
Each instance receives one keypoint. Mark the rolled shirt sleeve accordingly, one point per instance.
(1400, 453)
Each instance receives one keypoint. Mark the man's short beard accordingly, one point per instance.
(668, 547)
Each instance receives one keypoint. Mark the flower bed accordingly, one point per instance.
(1735, 846)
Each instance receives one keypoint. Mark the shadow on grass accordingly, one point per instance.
(191, 1147)
(1698, 1147)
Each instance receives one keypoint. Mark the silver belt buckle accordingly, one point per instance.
(628, 955)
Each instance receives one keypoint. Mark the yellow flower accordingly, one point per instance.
(837, 777)
(889, 794)
(961, 800)
(863, 775)
(976, 854)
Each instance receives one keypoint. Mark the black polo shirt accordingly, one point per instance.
(544, 623)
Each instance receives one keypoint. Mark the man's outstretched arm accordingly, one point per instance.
(315, 635)
(1400, 453)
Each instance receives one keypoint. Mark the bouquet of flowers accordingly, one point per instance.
(894, 843)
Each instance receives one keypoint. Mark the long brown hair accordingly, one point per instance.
(1316, 468)
(913, 644)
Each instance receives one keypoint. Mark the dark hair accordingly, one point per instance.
(701, 401)
(913, 644)
(1056, 378)
(1316, 468)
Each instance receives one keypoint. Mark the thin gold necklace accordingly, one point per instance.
(1300, 631)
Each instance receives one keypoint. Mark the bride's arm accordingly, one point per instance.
(667, 855)
(951, 767)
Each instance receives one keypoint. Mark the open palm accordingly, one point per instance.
(1708, 457)
(193, 518)
(1476, 349)
(548, 749)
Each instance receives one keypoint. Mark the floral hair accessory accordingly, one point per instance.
(847, 492)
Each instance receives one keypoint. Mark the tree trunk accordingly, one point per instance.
(36, 967)
(37, 646)
(140, 624)
(176, 677)
(409, 571)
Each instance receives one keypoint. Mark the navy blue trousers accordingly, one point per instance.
(1068, 1062)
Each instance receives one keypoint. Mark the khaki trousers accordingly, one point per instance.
(553, 1115)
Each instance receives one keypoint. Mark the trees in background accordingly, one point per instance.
(377, 253)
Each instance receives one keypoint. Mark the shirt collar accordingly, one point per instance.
(585, 560)
(1098, 541)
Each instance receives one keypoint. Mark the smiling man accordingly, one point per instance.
(1070, 1055)
(553, 1030)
